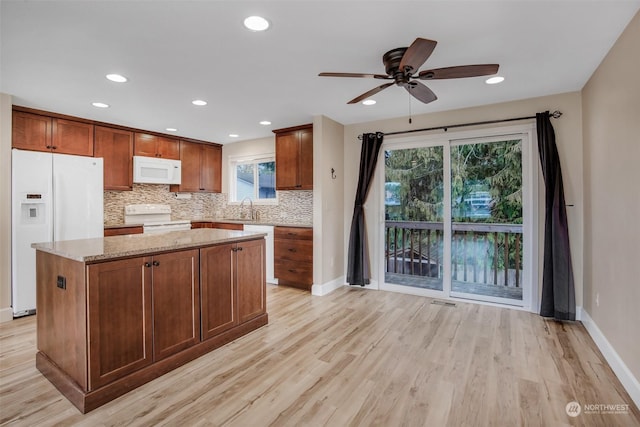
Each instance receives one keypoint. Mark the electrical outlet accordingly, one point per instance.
(597, 299)
(62, 282)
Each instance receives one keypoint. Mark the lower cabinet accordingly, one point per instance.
(293, 253)
(119, 319)
(176, 301)
(141, 310)
(232, 285)
(107, 327)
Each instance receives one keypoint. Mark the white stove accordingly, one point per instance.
(154, 218)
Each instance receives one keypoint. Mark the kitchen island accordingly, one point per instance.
(114, 313)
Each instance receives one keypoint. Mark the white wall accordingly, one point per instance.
(328, 203)
(611, 122)
(5, 208)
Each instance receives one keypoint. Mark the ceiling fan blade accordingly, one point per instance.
(416, 55)
(370, 76)
(459, 72)
(421, 92)
(369, 93)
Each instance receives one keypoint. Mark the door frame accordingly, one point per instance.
(530, 203)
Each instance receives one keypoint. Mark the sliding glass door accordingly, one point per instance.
(414, 215)
(456, 218)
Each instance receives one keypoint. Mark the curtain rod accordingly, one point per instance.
(556, 114)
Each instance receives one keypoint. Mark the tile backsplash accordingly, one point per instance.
(295, 207)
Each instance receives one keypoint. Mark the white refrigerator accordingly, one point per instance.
(54, 197)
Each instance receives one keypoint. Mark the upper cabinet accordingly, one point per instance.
(115, 146)
(201, 168)
(156, 146)
(294, 158)
(42, 133)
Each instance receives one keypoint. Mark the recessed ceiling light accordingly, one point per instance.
(172, 129)
(100, 104)
(494, 80)
(369, 101)
(117, 78)
(256, 23)
(199, 102)
(265, 123)
(233, 135)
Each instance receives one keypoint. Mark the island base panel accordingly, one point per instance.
(88, 401)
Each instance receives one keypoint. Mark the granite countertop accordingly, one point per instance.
(101, 249)
(227, 220)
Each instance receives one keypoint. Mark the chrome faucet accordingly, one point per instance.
(250, 209)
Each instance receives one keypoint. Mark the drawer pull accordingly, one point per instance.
(292, 250)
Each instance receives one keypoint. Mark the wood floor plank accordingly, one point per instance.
(354, 357)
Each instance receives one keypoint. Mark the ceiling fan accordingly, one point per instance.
(402, 64)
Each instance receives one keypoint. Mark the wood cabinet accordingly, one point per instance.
(176, 301)
(42, 133)
(115, 146)
(105, 327)
(293, 256)
(156, 146)
(140, 310)
(126, 229)
(201, 168)
(120, 319)
(232, 285)
(294, 158)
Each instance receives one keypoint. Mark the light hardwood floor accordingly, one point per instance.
(354, 357)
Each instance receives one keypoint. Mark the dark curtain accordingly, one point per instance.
(558, 294)
(358, 268)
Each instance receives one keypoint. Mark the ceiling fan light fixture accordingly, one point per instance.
(256, 23)
(494, 80)
(118, 78)
(369, 102)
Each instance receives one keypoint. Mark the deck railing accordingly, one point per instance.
(480, 252)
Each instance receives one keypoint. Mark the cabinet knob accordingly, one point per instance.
(54, 147)
(292, 250)
(240, 248)
(156, 263)
(48, 147)
(147, 264)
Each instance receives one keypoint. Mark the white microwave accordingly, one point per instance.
(154, 170)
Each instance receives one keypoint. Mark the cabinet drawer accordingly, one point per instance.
(122, 230)
(227, 225)
(298, 233)
(293, 250)
(295, 273)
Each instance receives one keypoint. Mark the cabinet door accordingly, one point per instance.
(176, 302)
(168, 148)
(250, 276)
(70, 137)
(115, 146)
(287, 161)
(211, 168)
(190, 157)
(218, 291)
(31, 131)
(119, 316)
(144, 145)
(306, 160)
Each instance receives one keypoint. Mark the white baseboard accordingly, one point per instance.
(624, 374)
(326, 288)
(6, 314)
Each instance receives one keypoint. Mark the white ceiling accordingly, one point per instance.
(55, 55)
